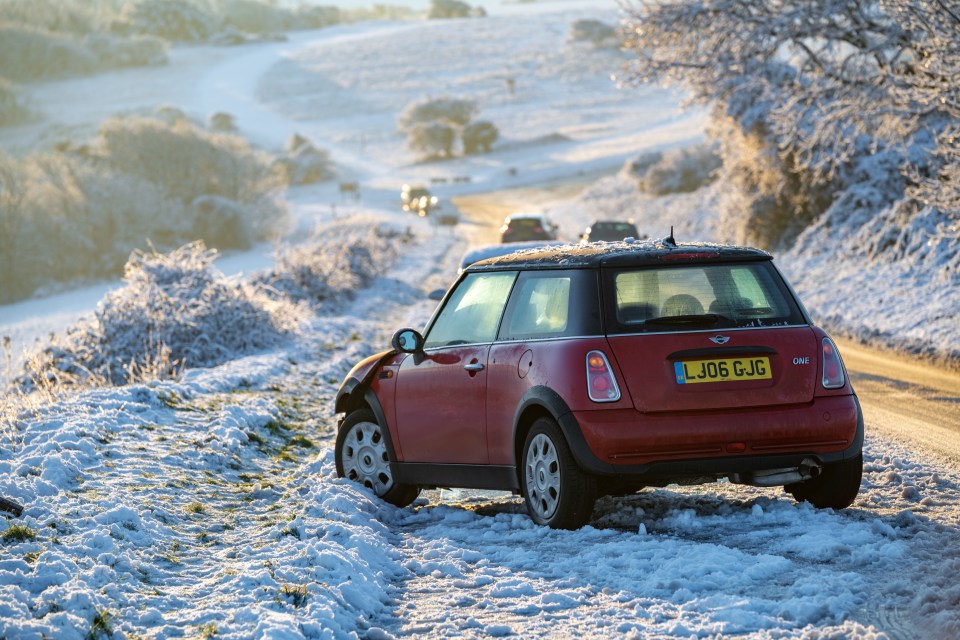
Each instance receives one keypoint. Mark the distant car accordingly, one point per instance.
(610, 231)
(417, 199)
(521, 227)
(496, 250)
(579, 371)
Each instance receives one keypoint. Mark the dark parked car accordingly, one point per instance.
(523, 227)
(610, 231)
(578, 371)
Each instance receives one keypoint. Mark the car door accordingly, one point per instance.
(441, 393)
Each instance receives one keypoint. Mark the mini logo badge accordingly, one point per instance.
(720, 339)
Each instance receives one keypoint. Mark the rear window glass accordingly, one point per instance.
(701, 296)
(525, 223)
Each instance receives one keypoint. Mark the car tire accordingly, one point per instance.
(836, 487)
(362, 456)
(557, 492)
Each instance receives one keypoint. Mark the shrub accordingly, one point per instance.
(78, 214)
(189, 162)
(137, 51)
(675, 171)
(175, 20)
(479, 135)
(448, 9)
(12, 110)
(175, 310)
(73, 17)
(433, 139)
(315, 17)
(304, 163)
(447, 110)
(253, 16)
(28, 54)
(595, 32)
(336, 260)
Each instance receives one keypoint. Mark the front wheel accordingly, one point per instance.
(557, 492)
(362, 456)
(835, 488)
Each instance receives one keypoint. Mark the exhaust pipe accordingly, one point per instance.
(809, 469)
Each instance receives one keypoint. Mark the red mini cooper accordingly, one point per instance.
(567, 373)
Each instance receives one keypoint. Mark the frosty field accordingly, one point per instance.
(208, 506)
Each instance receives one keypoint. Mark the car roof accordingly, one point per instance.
(525, 215)
(502, 248)
(622, 253)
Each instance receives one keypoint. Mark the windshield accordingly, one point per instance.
(700, 296)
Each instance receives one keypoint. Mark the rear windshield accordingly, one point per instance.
(701, 296)
(612, 231)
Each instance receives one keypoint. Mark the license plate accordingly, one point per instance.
(722, 370)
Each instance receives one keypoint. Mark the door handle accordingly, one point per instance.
(474, 366)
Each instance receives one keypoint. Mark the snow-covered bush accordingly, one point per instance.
(189, 162)
(443, 9)
(674, 171)
(12, 110)
(479, 135)
(596, 33)
(175, 310)
(457, 111)
(174, 20)
(304, 163)
(77, 214)
(253, 16)
(432, 139)
(74, 17)
(28, 54)
(137, 51)
(335, 261)
(316, 17)
(223, 123)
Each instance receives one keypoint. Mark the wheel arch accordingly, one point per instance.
(542, 401)
(355, 396)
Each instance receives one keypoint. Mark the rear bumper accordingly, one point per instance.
(649, 447)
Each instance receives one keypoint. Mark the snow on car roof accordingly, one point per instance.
(619, 253)
(495, 250)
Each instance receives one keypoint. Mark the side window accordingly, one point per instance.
(472, 313)
(553, 304)
(541, 308)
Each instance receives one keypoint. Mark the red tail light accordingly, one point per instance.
(601, 385)
(833, 376)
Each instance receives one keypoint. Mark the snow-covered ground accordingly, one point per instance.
(209, 506)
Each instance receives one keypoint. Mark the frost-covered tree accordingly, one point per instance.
(818, 86)
(456, 111)
(433, 139)
(479, 135)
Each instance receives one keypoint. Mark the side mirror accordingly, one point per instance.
(407, 341)
(437, 294)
